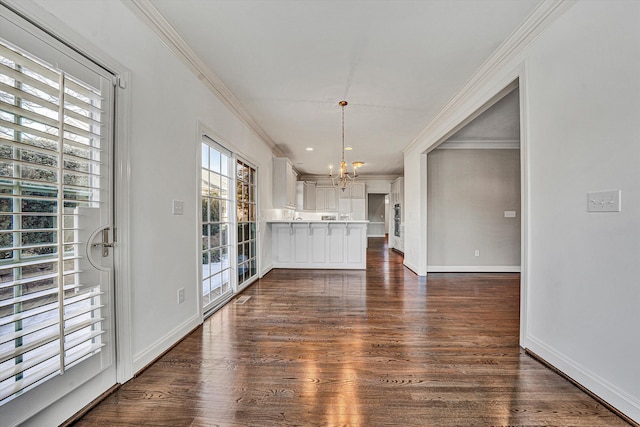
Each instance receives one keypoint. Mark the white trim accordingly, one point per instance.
(411, 267)
(473, 94)
(621, 400)
(200, 134)
(524, 201)
(145, 10)
(266, 270)
(235, 154)
(122, 188)
(513, 144)
(361, 177)
(473, 268)
(151, 352)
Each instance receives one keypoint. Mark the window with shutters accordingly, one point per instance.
(50, 126)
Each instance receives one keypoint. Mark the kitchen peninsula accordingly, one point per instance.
(322, 244)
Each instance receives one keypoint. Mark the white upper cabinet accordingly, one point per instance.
(355, 191)
(284, 183)
(306, 196)
(326, 199)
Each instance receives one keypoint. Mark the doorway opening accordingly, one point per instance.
(473, 194)
(378, 215)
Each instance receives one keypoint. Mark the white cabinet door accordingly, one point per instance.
(292, 178)
(284, 183)
(301, 243)
(326, 199)
(354, 240)
(344, 208)
(358, 190)
(308, 196)
(336, 243)
(321, 199)
(319, 244)
(332, 199)
(358, 209)
(282, 243)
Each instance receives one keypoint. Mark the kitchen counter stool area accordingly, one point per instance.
(319, 244)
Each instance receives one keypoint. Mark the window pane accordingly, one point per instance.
(205, 209)
(224, 165)
(205, 156)
(214, 210)
(215, 264)
(224, 187)
(224, 234)
(214, 160)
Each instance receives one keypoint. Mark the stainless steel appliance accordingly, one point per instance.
(396, 220)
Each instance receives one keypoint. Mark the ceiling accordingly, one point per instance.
(289, 62)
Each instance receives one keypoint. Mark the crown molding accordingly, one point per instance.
(170, 37)
(486, 144)
(361, 177)
(471, 92)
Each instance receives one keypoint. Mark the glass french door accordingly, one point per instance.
(56, 275)
(229, 258)
(246, 197)
(217, 201)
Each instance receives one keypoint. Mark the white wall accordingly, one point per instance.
(580, 99)
(468, 192)
(167, 104)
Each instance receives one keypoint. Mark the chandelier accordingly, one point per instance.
(344, 179)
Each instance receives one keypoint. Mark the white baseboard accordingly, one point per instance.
(473, 268)
(147, 355)
(266, 270)
(410, 266)
(619, 399)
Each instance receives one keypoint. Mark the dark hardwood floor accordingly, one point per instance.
(380, 347)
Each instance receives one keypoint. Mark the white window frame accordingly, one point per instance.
(205, 132)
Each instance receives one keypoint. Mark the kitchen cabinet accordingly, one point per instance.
(355, 191)
(306, 196)
(284, 183)
(358, 190)
(326, 199)
(319, 244)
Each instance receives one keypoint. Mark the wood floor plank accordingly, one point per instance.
(380, 347)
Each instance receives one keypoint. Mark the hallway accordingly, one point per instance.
(380, 347)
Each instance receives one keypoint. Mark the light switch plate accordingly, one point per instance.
(603, 201)
(177, 207)
(509, 214)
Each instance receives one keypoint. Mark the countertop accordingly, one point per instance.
(317, 221)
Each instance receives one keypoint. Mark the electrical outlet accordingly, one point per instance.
(180, 295)
(477, 253)
(177, 207)
(509, 214)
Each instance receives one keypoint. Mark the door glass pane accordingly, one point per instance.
(246, 197)
(215, 224)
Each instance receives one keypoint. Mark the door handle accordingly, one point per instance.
(105, 242)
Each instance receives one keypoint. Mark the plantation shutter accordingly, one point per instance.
(50, 163)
